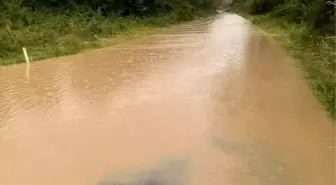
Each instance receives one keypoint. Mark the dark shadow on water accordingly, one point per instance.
(173, 173)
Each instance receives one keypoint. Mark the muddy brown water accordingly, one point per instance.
(206, 103)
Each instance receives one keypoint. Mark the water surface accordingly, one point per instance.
(206, 103)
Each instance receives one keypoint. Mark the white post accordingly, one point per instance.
(25, 55)
(27, 71)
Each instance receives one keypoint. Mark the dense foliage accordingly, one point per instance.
(58, 27)
(110, 7)
(318, 14)
(16, 12)
(123, 7)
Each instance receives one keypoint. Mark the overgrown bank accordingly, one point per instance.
(306, 29)
(51, 28)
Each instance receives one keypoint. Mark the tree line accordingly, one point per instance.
(16, 12)
(115, 7)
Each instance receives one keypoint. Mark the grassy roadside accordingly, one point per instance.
(52, 34)
(314, 53)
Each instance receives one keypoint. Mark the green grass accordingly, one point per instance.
(49, 34)
(314, 53)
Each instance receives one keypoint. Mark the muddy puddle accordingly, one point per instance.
(205, 103)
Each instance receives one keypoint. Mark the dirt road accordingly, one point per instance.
(207, 103)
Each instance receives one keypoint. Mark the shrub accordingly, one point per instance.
(294, 12)
(263, 6)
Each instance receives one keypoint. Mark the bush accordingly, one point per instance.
(294, 12)
(263, 6)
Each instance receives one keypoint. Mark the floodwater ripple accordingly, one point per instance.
(211, 102)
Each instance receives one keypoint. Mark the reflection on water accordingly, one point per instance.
(27, 71)
(172, 172)
(210, 102)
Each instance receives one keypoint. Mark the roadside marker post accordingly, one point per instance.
(26, 55)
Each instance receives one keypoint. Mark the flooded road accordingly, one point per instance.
(206, 103)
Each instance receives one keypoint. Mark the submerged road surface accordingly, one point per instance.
(206, 103)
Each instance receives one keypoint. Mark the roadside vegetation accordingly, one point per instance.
(306, 29)
(50, 28)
